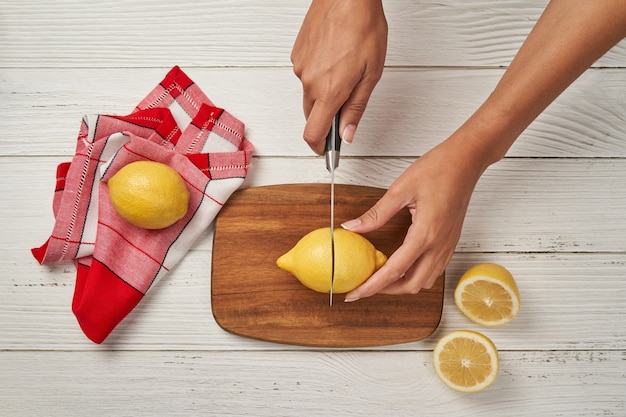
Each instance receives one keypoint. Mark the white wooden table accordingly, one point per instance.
(553, 212)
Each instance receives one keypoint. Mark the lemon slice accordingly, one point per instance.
(466, 361)
(487, 295)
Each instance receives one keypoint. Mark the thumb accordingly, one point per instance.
(353, 109)
(377, 216)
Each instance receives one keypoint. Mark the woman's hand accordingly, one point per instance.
(339, 56)
(436, 189)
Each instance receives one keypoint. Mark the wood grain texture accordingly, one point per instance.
(569, 302)
(520, 205)
(552, 212)
(222, 33)
(410, 111)
(320, 384)
(251, 296)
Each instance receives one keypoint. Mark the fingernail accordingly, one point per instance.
(348, 133)
(349, 300)
(350, 224)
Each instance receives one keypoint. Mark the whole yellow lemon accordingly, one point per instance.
(310, 260)
(149, 194)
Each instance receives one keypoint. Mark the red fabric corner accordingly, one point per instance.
(108, 300)
(40, 252)
(176, 76)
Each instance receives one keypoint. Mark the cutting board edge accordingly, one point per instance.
(346, 343)
(347, 346)
(342, 343)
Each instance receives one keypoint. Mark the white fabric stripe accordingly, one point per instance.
(216, 143)
(111, 147)
(206, 213)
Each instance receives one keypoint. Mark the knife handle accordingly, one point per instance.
(333, 145)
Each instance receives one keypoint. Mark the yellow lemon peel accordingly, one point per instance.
(310, 260)
(149, 194)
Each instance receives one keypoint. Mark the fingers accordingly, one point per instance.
(390, 279)
(416, 264)
(394, 273)
(422, 274)
(397, 265)
(353, 109)
(319, 111)
(317, 125)
(339, 56)
(384, 209)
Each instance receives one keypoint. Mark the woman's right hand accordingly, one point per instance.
(338, 56)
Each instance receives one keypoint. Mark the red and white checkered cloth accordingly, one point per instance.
(117, 263)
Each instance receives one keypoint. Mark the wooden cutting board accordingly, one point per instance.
(252, 297)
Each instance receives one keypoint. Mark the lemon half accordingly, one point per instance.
(466, 361)
(487, 294)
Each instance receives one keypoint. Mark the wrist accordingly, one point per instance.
(488, 134)
(477, 144)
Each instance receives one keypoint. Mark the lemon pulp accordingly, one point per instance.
(488, 295)
(466, 361)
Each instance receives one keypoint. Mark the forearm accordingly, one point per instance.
(437, 187)
(568, 38)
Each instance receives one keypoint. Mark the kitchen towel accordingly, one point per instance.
(116, 262)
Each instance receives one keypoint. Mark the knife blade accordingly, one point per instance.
(332, 150)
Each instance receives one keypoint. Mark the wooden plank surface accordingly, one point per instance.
(552, 212)
(235, 33)
(410, 111)
(570, 301)
(520, 205)
(303, 384)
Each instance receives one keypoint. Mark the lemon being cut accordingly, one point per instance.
(149, 194)
(310, 260)
(466, 361)
(487, 294)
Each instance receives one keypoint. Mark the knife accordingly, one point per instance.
(333, 146)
